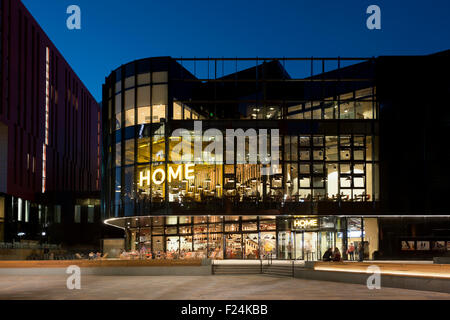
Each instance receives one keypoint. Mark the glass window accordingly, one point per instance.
(143, 96)
(129, 82)
(129, 99)
(305, 182)
(345, 168)
(118, 103)
(159, 111)
(200, 228)
(231, 218)
(251, 246)
(318, 154)
(158, 145)
(129, 118)
(77, 215)
(215, 246)
(318, 141)
(118, 86)
(143, 78)
(232, 227)
(159, 94)
(171, 230)
(217, 227)
(118, 153)
(184, 220)
(331, 148)
(143, 150)
(57, 213)
(171, 220)
(363, 110)
(267, 244)
(91, 214)
(186, 244)
(144, 115)
(304, 169)
(159, 77)
(304, 154)
(304, 141)
(332, 179)
(285, 244)
(158, 246)
(267, 225)
(177, 111)
(345, 154)
(233, 246)
(200, 245)
(129, 151)
(187, 113)
(318, 168)
(345, 141)
(213, 219)
(347, 110)
(185, 230)
(358, 154)
(200, 219)
(118, 121)
(249, 226)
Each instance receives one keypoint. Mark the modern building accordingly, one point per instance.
(361, 142)
(50, 139)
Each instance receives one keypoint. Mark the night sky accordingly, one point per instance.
(116, 31)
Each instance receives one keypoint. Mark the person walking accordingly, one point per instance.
(360, 252)
(351, 251)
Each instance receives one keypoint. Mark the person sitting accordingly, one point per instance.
(327, 256)
(336, 255)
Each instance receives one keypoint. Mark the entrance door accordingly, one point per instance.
(310, 246)
(299, 254)
(326, 240)
(306, 245)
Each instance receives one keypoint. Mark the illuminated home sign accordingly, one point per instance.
(158, 176)
(306, 223)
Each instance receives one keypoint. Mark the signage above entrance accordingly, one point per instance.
(305, 223)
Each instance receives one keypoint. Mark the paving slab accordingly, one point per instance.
(239, 287)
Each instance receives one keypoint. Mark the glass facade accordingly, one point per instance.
(162, 169)
(250, 237)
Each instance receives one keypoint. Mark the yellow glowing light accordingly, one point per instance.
(306, 223)
(158, 175)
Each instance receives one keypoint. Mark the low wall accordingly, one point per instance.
(18, 254)
(99, 263)
(397, 269)
(114, 271)
(388, 281)
(108, 267)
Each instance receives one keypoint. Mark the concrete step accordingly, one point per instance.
(278, 270)
(236, 269)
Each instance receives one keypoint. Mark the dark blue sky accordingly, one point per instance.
(117, 31)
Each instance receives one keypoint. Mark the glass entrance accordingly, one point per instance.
(326, 241)
(306, 244)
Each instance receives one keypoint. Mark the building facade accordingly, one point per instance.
(280, 158)
(50, 132)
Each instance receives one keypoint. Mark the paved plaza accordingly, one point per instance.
(242, 287)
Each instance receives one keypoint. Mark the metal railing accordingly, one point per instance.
(19, 245)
